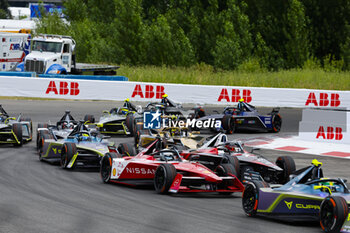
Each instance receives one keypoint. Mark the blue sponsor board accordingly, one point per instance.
(36, 9)
(152, 120)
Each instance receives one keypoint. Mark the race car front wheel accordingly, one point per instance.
(250, 197)
(17, 130)
(129, 122)
(68, 151)
(164, 177)
(223, 170)
(333, 213)
(127, 149)
(41, 142)
(106, 166)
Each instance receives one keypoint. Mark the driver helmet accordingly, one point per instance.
(70, 125)
(64, 125)
(164, 99)
(240, 104)
(84, 137)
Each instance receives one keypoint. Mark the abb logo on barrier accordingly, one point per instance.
(236, 95)
(332, 133)
(148, 92)
(325, 99)
(65, 88)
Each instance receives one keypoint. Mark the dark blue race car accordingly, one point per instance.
(308, 196)
(246, 117)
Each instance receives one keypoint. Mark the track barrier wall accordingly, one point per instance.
(51, 87)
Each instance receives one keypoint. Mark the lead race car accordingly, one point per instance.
(81, 148)
(14, 130)
(168, 172)
(308, 196)
(247, 164)
(246, 117)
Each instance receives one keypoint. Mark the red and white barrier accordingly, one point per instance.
(181, 93)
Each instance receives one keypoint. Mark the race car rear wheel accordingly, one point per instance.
(231, 159)
(40, 145)
(40, 125)
(89, 118)
(288, 165)
(17, 130)
(333, 213)
(129, 122)
(30, 126)
(106, 166)
(127, 149)
(228, 124)
(164, 177)
(276, 123)
(250, 197)
(69, 149)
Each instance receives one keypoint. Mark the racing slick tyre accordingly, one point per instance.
(17, 130)
(333, 212)
(250, 197)
(45, 135)
(89, 118)
(276, 122)
(106, 166)
(225, 169)
(69, 149)
(31, 126)
(127, 149)
(129, 122)
(228, 124)
(164, 177)
(288, 165)
(234, 162)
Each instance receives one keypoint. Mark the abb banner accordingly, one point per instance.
(180, 93)
(325, 126)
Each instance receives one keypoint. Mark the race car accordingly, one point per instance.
(168, 112)
(180, 138)
(118, 120)
(14, 130)
(81, 148)
(219, 146)
(168, 172)
(308, 196)
(246, 117)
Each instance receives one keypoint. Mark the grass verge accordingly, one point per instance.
(205, 75)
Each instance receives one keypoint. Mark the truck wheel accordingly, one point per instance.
(40, 146)
(250, 197)
(276, 123)
(89, 118)
(288, 165)
(164, 177)
(106, 166)
(127, 149)
(228, 124)
(69, 149)
(129, 122)
(17, 130)
(333, 213)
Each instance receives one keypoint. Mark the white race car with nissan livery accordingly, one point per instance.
(168, 172)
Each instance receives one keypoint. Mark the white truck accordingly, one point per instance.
(55, 54)
(14, 47)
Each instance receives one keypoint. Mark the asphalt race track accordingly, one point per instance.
(39, 197)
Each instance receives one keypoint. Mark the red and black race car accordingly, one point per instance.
(168, 172)
(247, 165)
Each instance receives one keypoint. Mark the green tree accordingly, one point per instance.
(4, 11)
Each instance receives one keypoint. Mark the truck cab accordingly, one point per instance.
(51, 54)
